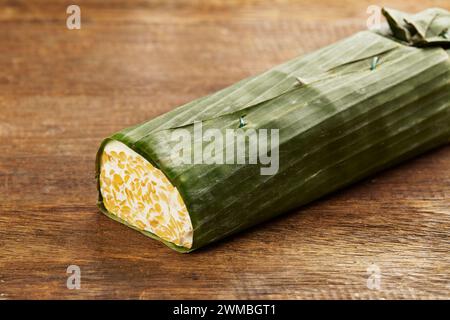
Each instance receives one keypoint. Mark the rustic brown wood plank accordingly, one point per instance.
(62, 91)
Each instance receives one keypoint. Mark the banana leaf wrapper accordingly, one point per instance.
(343, 113)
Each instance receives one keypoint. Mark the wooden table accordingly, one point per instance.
(62, 91)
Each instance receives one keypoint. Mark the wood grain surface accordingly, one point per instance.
(62, 91)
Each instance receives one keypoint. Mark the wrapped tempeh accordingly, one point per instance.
(328, 119)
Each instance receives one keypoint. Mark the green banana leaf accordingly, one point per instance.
(343, 113)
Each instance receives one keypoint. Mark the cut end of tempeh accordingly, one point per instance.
(142, 196)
